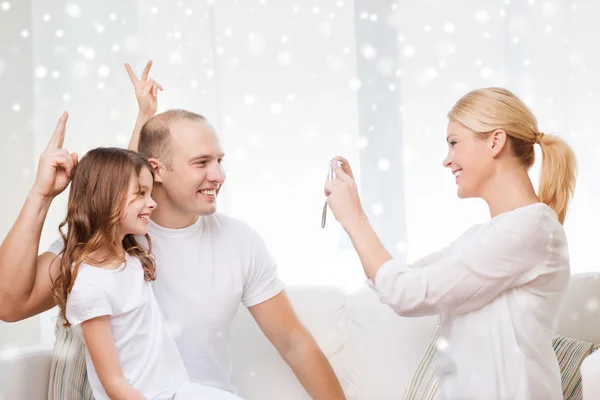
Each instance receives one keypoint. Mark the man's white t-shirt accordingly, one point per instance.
(148, 354)
(203, 273)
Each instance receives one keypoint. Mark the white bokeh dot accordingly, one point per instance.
(256, 43)
(103, 71)
(46, 17)
(362, 142)
(487, 73)
(5, 6)
(383, 164)
(354, 84)
(449, 27)
(482, 16)
(441, 344)
(591, 305)
(368, 51)
(431, 73)
(276, 108)
(73, 10)
(59, 33)
(16, 107)
(249, 100)
(377, 208)
(66, 97)
(112, 16)
(175, 58)
(408, 51)
(284, 59)
(549, 10)
(25, 33)
(40, 72)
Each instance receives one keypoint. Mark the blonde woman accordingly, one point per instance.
(500, 285)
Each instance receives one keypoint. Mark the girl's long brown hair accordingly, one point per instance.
(98, 193)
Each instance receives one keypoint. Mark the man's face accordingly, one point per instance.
(193, 182)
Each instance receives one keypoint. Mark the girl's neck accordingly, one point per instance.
(103, 258)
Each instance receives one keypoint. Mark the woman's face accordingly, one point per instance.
(470, 160)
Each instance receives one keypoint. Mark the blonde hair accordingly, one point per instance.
(486, 110)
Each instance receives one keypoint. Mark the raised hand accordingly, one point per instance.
(146, 90)
(342, 195)
(55, 164)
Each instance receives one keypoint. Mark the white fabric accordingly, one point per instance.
(204, 271)
(499, 288)
(194, 391)
(590, 376)
(147, 352)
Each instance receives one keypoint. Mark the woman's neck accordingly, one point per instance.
(509, 190)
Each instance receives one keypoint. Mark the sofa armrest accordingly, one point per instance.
(24, 373)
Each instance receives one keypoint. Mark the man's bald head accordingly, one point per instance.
(155, 136)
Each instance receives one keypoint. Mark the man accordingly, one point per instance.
(206, 262)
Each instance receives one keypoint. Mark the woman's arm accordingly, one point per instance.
(505, 255)
(103, 352)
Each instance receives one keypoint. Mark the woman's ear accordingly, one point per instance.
(497, 141)
(158, 167)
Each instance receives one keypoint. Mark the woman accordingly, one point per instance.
(500, 285)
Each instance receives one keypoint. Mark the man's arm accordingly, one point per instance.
(278, 321)
(146, 93)
(25, 285)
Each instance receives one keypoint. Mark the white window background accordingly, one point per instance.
(290, 84)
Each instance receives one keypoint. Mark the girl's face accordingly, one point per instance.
(138, 205)
(470, 160)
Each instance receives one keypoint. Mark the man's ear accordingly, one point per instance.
(158, 167)
(497, 141)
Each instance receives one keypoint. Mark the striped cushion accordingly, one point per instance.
(424, 385)
(68, 375)
(569, 352)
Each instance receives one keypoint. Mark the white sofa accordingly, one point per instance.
(373, 351)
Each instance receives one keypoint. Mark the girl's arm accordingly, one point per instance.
(101, 346)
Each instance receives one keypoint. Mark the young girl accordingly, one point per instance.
(103, 288)
(500, 285)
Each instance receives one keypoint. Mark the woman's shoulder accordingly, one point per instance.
(529, 223)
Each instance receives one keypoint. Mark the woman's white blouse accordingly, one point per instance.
(499, 289)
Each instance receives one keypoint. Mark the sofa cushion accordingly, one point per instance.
(259, 372)
(381, 349)
(569, 352)
(423, 385)
(68, 375)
